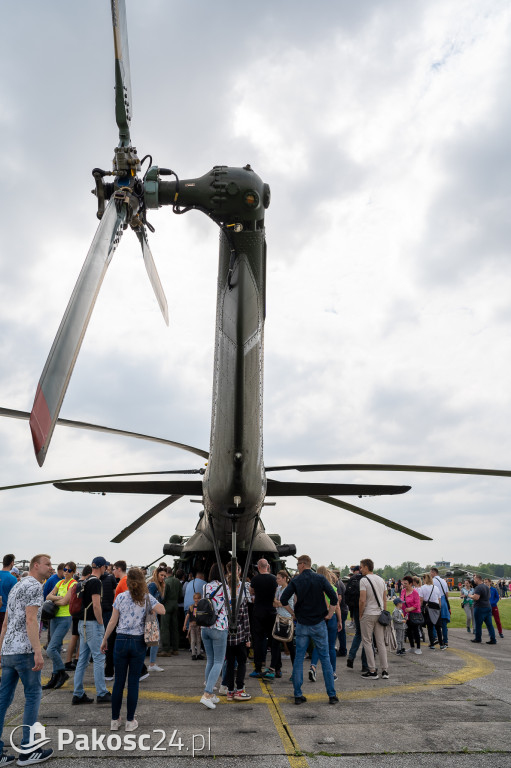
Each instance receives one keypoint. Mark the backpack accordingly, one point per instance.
(76, 600)
(352, 594)
(206, 614)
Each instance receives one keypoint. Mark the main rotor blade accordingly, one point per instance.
(179, 487)
(98, 477)
(275, 488)
(61, 360)
(140, 521)
(122, 71)
(372, 516)
(12, 414)
(153, 273)
(392, 468)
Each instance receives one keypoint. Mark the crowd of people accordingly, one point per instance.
(114, 617)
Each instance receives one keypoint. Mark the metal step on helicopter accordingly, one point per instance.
(236, 483)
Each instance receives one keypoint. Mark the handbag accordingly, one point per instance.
(283, 629)
(433, 609)
(49, 610)
(384, 618)
(151, 627)
(416, 618)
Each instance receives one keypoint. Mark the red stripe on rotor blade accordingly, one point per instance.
(40, 421)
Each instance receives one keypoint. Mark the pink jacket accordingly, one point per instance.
(411, 601)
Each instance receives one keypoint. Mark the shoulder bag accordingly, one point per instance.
(283, 629)
(284, 626)
(151, 626)
(384, 618)
(433, 609)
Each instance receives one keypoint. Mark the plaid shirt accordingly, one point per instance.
(242, 634)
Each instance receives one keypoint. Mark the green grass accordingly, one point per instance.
(458, 618)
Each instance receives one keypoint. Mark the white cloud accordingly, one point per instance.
(383, 132)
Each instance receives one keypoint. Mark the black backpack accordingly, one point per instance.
(206, 614)
(353, 590)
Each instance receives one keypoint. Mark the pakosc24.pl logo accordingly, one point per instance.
(37, 739)
(95, 741)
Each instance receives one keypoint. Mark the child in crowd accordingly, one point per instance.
(193, 628)
(398, 620)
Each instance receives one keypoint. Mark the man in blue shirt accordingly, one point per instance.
(50, 583)
(311, 614)
(494, 599)
(482, 611)
(195, 585)
(7, 582)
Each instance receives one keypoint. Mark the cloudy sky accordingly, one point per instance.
(383, 129)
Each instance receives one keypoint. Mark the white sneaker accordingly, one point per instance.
(209, 703)
(115, 725)
(418, 651)
(155, 668)
(215, 699)
(222, 691)
(131, 725)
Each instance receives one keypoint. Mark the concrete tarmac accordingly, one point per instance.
(440, 709)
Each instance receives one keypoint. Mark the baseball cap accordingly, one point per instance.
(397, 600)
(98, 562)
(355, 568)
(14, 570)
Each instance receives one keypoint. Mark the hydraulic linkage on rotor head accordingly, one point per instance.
(126, 188)
(234, 198)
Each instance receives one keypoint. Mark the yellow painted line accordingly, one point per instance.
(283, 729)
(474, 667)
(161, 696)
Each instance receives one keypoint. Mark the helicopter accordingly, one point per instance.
(234, 486)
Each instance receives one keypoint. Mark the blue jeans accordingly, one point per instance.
(331, 628)
(318, 633)
(129, 655)
(483, 616)
(357, 640)
(91, 634)
(59, 628)
(153, 653)
(18, 666)
(215, 643)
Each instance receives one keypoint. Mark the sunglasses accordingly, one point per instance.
(68, 570)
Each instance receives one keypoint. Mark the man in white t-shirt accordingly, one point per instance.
(373, 600)
(445, 613)
(22, 657)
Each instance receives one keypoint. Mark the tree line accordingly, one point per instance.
(497, 570)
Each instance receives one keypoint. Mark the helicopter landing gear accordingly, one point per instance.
(233, 605)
